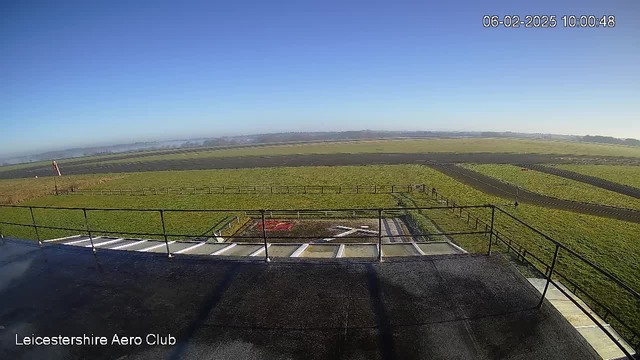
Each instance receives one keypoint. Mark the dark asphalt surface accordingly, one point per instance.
(591, 180)
(455, 307)
(499, 188)
(78, 168)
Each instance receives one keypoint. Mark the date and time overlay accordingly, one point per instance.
(549, 21)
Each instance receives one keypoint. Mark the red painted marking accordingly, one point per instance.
(274, 225)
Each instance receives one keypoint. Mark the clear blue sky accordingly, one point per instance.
(76, 73)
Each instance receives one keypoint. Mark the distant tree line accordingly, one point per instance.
(610, 140)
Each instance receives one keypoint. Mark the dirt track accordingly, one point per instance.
(313, 160)
(496, 187)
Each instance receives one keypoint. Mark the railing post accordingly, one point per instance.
(264, 237)
(35, 227)
(493, 214)
(546, 286)
(164, 232)
(86, 223)
(380, 235)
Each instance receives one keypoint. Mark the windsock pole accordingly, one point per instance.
(56, 173)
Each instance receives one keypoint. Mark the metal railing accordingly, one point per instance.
(379, 213)
(481, 227)
(549, 269)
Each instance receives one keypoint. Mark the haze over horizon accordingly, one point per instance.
(81, 73)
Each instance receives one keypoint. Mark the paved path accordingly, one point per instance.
(591, 180)
(499, 188)
(80, 167)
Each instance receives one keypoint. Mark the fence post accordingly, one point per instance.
(375, 189)
(380, 235)
(164, 232)
(493, 213)
(35, 227)
(86, 223)
(264, 237)
(468, 217)
(546, 286)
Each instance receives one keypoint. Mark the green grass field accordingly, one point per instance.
(398, 146)
(628, 175)
(609, 243)
(555, 186)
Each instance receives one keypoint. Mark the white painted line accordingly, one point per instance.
(299, 250)
(592, 326)
(368, 231)
(344, 227)
(63, 238)
(156, 246)
(104, 243)
(340, 251)
(418, 248)
(457, 247)
(127, 245)
(339, 235)
(224, 249)
(190, 248)
(259, 251)
(79, 241)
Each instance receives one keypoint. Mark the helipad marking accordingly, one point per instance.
(339, 235)
(259, 251)
(299, 250)
(79, 241)
(104, 243)
(63, 238)
(224, 249)
(190, 248)
(156, 246)
(127, 245)
(340, 251)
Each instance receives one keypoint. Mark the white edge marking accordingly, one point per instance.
(340, 235)
(224, 249)
(418, 248)
(368, 231)
(299, 250)
(63, 238)
(340, 251)
(79, 241)
(457, 247)
(105, 242)
(344, 227)
(127, 245)
(156, 246)
(190, 248)
(259, 251)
